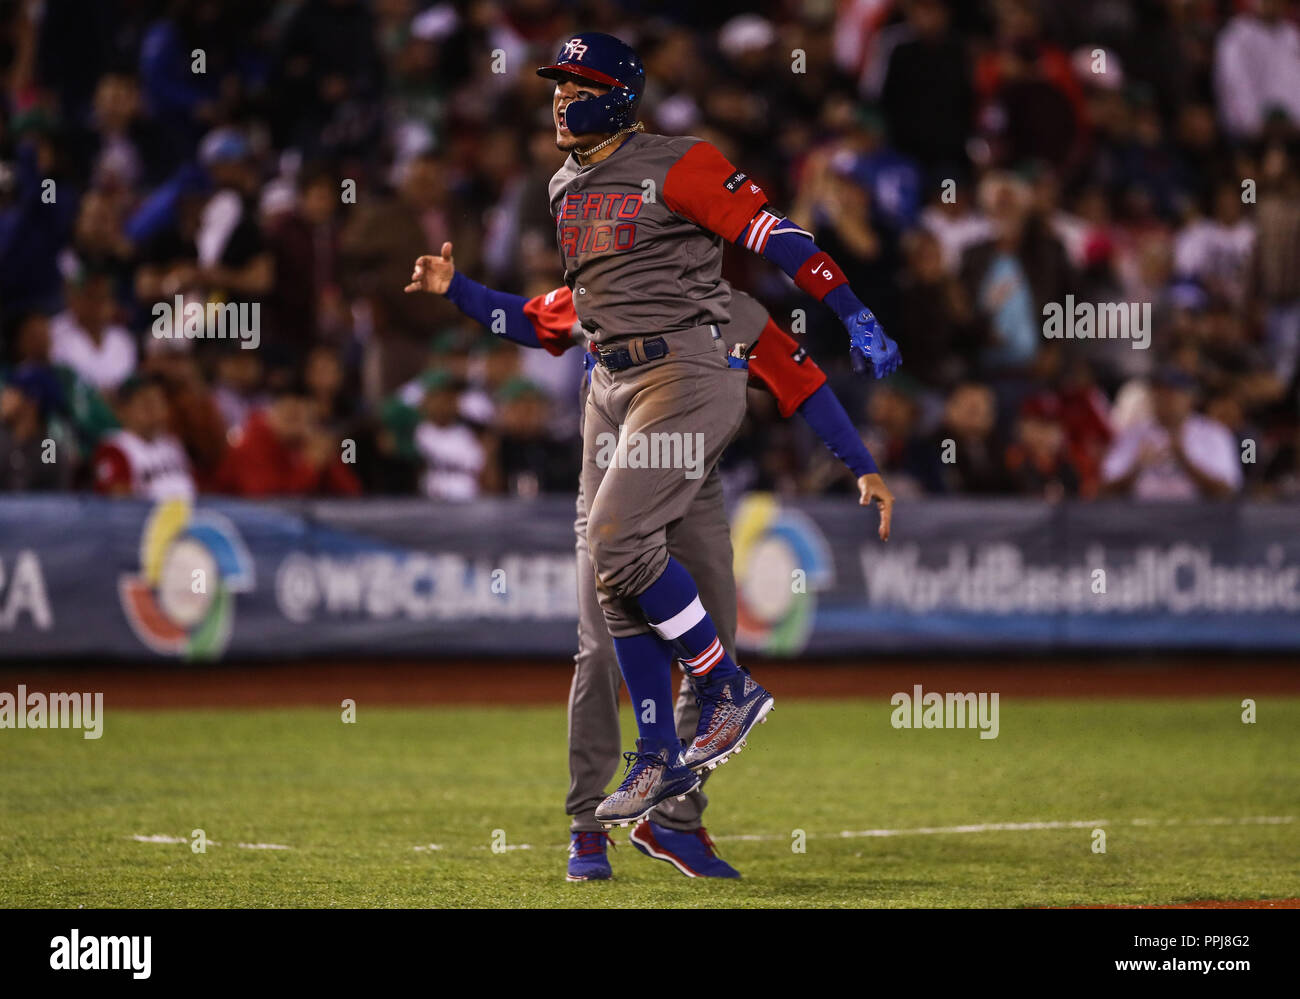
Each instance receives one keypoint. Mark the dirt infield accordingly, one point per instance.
(547, 681)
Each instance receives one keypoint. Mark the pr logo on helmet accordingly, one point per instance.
(574, 49)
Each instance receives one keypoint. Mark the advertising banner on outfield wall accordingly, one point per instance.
(83, 577)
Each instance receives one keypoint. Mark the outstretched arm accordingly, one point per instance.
(705, 188)
(779, 240)
(545, 321)
(826, 415)
(784, 368)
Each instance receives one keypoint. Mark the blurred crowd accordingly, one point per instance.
(966, 162)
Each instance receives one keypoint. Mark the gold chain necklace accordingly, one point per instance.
(583, 154)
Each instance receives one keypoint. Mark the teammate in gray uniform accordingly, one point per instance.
(674, 832)
(640, 223)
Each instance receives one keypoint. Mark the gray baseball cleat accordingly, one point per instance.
(654, 774)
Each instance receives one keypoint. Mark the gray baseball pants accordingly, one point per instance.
(701, 541)
(624, 536)
(688, 404)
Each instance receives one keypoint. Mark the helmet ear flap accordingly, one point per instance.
(602, 115)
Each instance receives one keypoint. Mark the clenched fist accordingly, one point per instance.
(433, 274)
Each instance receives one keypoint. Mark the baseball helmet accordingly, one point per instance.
(606, 60)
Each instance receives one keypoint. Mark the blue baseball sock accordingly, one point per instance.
(672, 605)
(647, 664)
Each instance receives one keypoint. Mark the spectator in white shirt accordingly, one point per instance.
(956, 226)
(1257, 70)
(1216, 250)
(454, 458)
(143, 459)
(1175, 454)
(85, 338)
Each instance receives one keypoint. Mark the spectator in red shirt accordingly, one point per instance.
(1031, 106)
(1038, 463)
(282, 451)
(193, 414)
(1084, 413)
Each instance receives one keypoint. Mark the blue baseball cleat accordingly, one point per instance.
(587, 860)
(728, 712)
(654, 774)
(690, 852)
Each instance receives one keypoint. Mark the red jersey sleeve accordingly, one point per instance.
(553, 317)
(112, 470)
(784, 368)
(703, 187)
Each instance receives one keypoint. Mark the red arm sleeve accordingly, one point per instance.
(703, 187)
(784, 368)
(553, 317)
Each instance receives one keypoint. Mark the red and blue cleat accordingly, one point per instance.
(692, 853)
(587, 860)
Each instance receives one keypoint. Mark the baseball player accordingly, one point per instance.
(700, 540)
(640, 224)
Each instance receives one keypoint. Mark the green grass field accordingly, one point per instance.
(1176, 783)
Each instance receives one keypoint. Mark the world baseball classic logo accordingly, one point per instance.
(192, 563)
(781, 562)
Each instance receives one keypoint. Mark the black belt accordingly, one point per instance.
(639, 350)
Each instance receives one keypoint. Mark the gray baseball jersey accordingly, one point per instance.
(641, 234)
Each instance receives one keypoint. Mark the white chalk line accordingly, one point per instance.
(162, 838)
(1255, 820)
(983, 827)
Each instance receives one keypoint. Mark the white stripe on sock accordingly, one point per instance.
(681, 622)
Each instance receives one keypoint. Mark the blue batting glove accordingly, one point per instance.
(868, 345)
